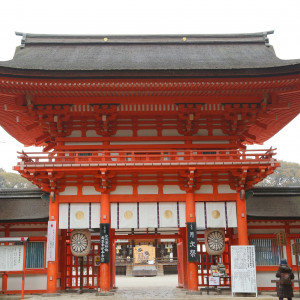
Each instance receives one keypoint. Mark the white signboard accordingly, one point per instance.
(11, 258)
(214, 280)
(243, 269)
(51, 241)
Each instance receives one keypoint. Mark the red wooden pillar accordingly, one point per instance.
(180, 261)
(184, 258)
(63, 259)
(113, 259)
(192, 266)
(52, 271)
(241, 220)
(288, 244)
(105, 267)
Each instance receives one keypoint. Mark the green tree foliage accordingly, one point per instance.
(10, 180)
(288, 174)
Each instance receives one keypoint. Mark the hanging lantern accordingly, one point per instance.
(215, 241)
(80, 242)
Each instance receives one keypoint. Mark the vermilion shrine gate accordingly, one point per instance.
(147, 134)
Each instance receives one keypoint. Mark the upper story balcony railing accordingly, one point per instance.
(144, 158)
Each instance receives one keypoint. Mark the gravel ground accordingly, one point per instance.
(159, 287)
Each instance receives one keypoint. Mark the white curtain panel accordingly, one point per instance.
(168, 214)
(216, 215)
(128, 215)
(148, 215)
(79, 215)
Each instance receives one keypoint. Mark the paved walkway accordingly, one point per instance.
(135, 288)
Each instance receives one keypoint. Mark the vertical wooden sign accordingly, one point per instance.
(51, 241)
(192, 242)
(104, 243)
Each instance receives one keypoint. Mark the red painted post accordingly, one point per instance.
(241, 220)
(105, 267)
(180, 262)
(192, 266)
(53, 265)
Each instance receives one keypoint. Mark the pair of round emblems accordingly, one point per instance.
(128, 214)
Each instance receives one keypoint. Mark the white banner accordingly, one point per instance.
(11, 258)
(243, 269)
(51, 241)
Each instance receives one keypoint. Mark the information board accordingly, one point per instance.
(192, 241)
(51, 237)
(104, 243)
(11, 258)
(243, 269)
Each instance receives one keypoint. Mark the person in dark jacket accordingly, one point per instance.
(284, 286)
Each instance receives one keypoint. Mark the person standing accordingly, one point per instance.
(284, 286)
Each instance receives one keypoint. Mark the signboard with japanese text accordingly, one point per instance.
(104, 243)
(11, 258)
(51, 241)
(192, 241)
(213, 280)
(243, 269)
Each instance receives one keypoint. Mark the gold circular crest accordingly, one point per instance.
(215, 214)
(79, 215)
(128, 214)
(168, 214)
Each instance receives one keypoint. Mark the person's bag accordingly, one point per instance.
(285, 278)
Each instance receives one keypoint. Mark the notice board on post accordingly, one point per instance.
(11, 258)
(243, 269)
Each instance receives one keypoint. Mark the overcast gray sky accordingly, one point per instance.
(155, 17)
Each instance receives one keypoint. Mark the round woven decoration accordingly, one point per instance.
(80, 242)
(214, 241)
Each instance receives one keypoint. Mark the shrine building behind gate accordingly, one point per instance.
(146, 135)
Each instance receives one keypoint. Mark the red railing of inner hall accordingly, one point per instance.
(145, 157)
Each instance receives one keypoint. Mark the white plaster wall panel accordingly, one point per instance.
(123, 133)
(92, 133)
(202, 132)
(95, 215)
(123, 190)
(148, 143)
(210, 142)
(36, 282)
(69, 191)
(231, 214)
(147, 132)
(170, 132)
(63, 216)
(75, 133)
(79, 215)
(182, 218)
(200, 217)
(14, 282)
(148, 215)
(113, 215)
(205, 189)
(82, 143)
(264, 279)
(147, 189)
(168, 216)
(218, 132)
(215, 213)
(128, 215)
(225, 189)
(172, 189)
(90, 190)
(27, 233)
